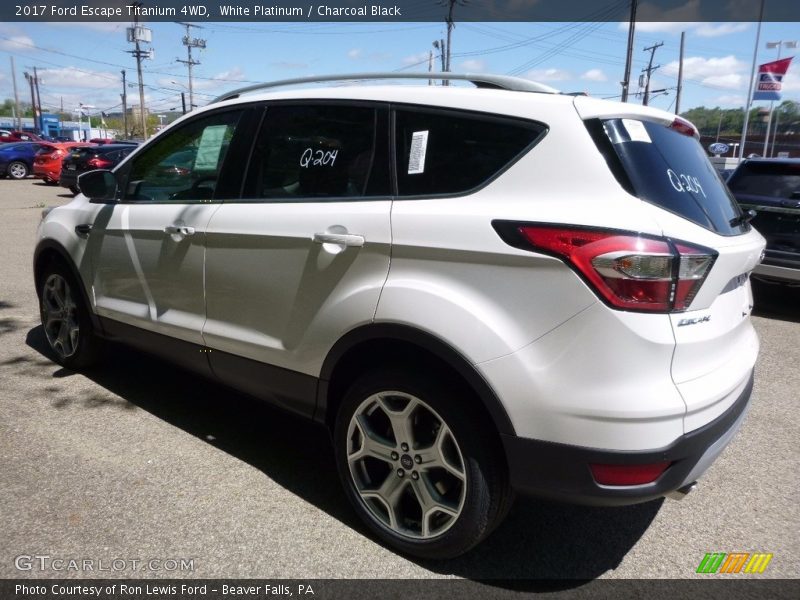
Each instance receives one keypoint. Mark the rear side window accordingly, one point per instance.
(773, 180)
(444, 152)
(313, 153)
(671, 170)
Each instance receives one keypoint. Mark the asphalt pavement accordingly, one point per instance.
(138, 461)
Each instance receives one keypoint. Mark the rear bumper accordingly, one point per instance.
(779, 265)
(45, 173)
(561, 471)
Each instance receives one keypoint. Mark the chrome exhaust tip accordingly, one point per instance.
(681, 493)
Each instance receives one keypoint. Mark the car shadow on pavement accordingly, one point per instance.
(540, 546)
(776, 301)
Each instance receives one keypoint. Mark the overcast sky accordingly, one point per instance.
(81, 62)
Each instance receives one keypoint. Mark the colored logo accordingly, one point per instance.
(718, 148)
(736, 562)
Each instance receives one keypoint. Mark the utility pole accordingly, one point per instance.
(190, 43)
(680, 79)
(80, 122)
(16, 94)
(29, 78)
(183, 102)
(649, 70)
(450, 25)
(124, 96)
(430, 65)
(136, 35)
(439, 45)
(626, 80)
(40, 126)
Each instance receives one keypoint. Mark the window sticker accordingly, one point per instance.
(209, 150)
(636, 131)
(416, 158)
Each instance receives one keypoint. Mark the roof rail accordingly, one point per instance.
(498, 82)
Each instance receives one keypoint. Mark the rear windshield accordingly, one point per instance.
(773, 180)
(671, 170)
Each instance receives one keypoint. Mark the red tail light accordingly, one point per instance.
(628, 474)
(99, 163)
(627, 270)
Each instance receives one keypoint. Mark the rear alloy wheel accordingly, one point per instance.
(65, 319)
(417, 466)
(17, 170)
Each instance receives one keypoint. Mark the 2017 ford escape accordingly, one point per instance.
(478, 291)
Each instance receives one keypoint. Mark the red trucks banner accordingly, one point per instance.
(770, 79)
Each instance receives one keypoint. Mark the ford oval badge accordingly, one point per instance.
(718, 148)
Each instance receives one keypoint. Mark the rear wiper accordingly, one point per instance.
(745, 217)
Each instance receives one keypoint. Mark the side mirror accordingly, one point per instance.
(99, 185)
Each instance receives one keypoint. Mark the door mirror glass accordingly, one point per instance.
(98, 186)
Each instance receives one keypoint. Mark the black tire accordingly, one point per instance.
(70, 336)
(483, 495)
(17, 170)
(75, 189)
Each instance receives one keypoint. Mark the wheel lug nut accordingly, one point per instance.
(395, 456)
(418, 459)
(404, 447)
(414, 475)
(400, 472)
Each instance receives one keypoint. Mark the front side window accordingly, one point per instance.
(185, 164)
(444, 152)
(313, 153)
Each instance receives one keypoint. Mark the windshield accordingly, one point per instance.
(671, 170)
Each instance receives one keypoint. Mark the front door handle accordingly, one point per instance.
(342, 239)
(179, 230)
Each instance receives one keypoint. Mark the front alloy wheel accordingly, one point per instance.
(406, 465)
(59, 316)
(65, 318)
(18, 170)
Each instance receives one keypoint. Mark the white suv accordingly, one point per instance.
(478, 291)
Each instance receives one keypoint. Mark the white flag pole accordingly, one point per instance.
(752, 81)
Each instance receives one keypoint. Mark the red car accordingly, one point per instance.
(18, 136)
(47, 163)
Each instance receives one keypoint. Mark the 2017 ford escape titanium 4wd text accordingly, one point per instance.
(479, 291)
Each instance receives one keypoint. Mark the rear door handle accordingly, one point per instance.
(179, 230)
(342, 239)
